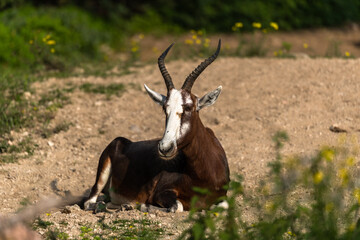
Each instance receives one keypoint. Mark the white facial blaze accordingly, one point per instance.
(174, 110)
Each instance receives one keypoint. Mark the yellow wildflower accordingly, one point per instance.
(145, 213)
(52, 50)
(291, 233)
(46, 38)
(233, 28)
(256, 25)
(141, 36)
(347, 54)
(350, 161)
(198, 41)
(357, 194)
(48, 214)
(131, 226)
(329, 207)
(274, 25)
(193, 32)
(216, 214)
(352, 227)
(305, 45)
(275, 53)
(51, 42)
(134, 49)
(31, 41)
(239, 24)
(269, 206)
(200, 33)
(189, 42)
(207, 40)
(318, 177)
(328, 154)
(344, 175)
(194, 36)
(265, 189)
(206, 44)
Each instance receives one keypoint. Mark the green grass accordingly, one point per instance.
(39, 223)
(25, 202)
(10, 152)
(117, 229)
(109, 90)
(61, 127)
(17, 112)
(13, 105)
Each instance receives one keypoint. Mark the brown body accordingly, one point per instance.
(139, 175)
(163, 172)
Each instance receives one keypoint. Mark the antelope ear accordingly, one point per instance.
(208, 99)
(156, 97)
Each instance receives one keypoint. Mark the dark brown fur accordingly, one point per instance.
(139, 174)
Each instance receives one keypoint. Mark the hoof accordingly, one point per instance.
(110, 207)
(127, 207)
(89, 206)
(100, 207)
(178, 207)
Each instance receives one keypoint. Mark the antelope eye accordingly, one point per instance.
(187, 108)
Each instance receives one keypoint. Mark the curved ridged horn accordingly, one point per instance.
(164, 72)
(189, 81)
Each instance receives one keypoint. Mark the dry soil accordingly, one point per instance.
(304, 97)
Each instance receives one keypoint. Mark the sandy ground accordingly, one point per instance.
(304, 97)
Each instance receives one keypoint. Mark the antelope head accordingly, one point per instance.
(181, 107)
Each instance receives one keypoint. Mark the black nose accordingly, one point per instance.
(164, 151)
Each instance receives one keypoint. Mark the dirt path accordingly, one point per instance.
(260, 96)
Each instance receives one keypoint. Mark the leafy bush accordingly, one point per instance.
(52, 37)
(215, 16)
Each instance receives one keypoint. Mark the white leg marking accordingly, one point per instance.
(90, 204)
(104, 176)
(144, 208)
(224, 204)
(180, 207)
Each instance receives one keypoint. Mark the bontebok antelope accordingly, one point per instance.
(163, 172)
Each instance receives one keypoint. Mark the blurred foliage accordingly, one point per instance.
(303, 197)
(54, 38)
(215, 16)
